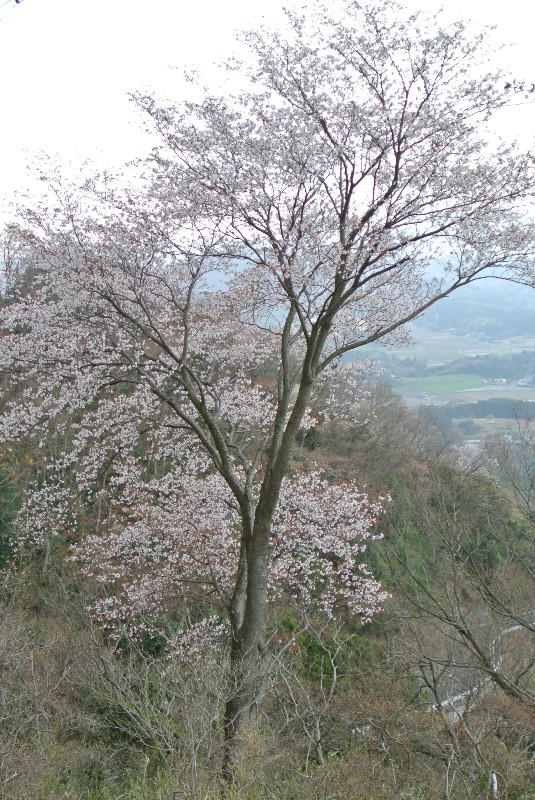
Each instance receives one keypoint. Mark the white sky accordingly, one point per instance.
(66, 67)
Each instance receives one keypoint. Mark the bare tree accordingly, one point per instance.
(469, 617)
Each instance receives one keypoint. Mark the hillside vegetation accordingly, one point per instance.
(349, 705)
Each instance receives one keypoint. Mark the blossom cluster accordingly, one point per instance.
(172, 543)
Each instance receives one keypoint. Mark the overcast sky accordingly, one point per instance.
(66, 67)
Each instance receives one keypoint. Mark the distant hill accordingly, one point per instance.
(491, 308)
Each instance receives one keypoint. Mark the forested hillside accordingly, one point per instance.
(361, 709)
(511, 366)
(499, 407)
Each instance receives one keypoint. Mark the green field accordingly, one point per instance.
(439, 384)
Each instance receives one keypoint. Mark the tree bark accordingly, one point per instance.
(245, 655)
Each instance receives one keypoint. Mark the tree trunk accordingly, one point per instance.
(249, 601)
(246, 657)
(238, 710)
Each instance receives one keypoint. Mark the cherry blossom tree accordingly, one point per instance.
(185, 325)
